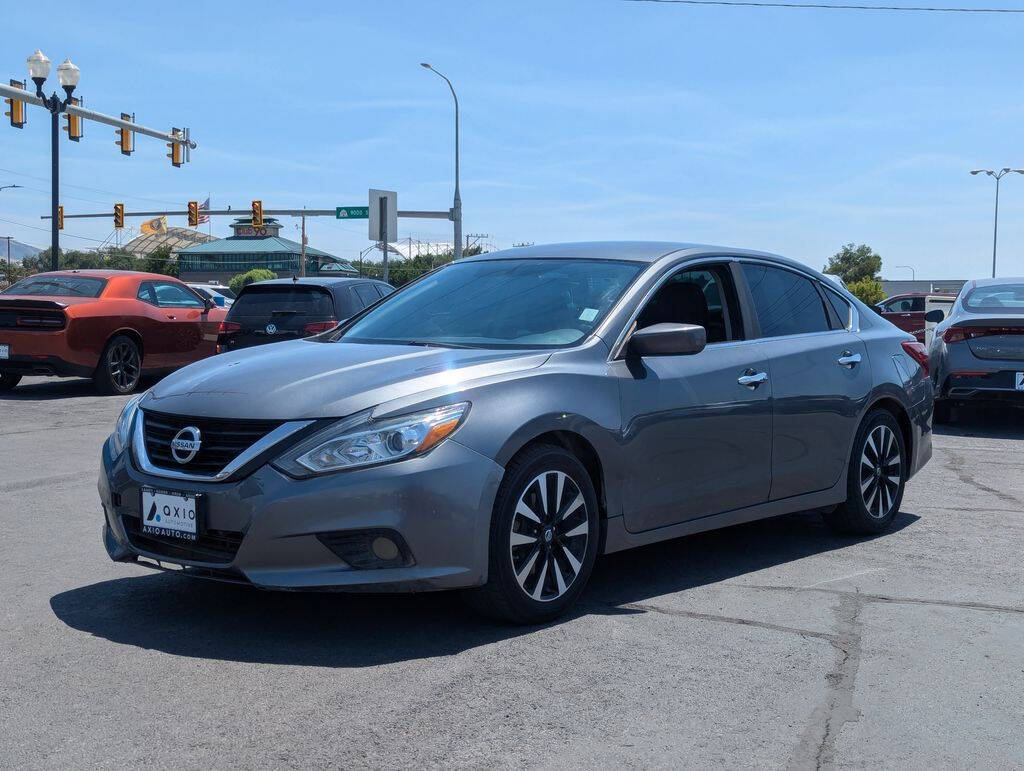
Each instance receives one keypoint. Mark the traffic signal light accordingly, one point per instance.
(118, 215)
(74, 125)
(176, 150)
(60, 218)
(125, 136)
(17, 111)
(193, 214)
(257, 214)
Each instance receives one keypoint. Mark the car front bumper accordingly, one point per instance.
(269, 530)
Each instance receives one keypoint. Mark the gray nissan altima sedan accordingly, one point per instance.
(498, 423)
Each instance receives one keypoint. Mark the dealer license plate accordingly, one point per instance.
(1018, 383)
(173, 515)
(5, 351)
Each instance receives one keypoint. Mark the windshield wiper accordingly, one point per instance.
(437, 344)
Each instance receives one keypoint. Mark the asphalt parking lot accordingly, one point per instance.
(771, 644)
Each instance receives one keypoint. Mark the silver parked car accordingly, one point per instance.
(977, 351)
(498, 423)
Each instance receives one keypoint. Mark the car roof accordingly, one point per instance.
(996, 281)
(98, 273)
(324, 281)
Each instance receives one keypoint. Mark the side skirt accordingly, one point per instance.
(618, 538)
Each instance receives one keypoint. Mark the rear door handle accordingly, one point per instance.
(849, 359)
(752, 379)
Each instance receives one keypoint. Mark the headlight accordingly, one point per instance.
(369, 443)
(123, 428)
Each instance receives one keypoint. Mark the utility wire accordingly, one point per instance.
(831, 6)
(93, 189)
(47, 230)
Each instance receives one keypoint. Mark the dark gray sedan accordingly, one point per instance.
(977, 351)
(497, 424)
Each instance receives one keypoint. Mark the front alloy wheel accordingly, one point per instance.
(545, 529)
(548, 537)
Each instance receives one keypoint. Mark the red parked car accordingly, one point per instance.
(113, 326)
(907, 311)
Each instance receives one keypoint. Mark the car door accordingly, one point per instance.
(697, 428)
(185, 324)
(819, 372)
(907, 313)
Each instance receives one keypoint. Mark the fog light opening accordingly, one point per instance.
(385, 549)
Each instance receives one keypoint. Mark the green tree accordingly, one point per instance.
(244, 279)
(159, 261)
(402, 270)
(855, 263)
(868, 290)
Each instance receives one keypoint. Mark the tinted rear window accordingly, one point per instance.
(58, 286)
(999, 298)
(301, 301)
(786, 303)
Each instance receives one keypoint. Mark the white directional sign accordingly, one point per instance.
(383, 215)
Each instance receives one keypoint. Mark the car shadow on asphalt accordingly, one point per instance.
(197, 618)
(61, 388)
(985, 422)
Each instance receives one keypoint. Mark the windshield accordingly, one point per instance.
(528, 303)
(58, 286)
(999, 298)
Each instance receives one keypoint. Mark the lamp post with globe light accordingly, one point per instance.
(997, 175)
(67, 75)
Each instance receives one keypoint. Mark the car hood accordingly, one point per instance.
(305, 379)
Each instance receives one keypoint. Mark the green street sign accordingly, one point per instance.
(352, 212)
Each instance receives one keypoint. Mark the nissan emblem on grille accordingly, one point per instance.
(186, 444)
(271, 329)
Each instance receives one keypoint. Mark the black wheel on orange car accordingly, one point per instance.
(120, 367)
(8, 381)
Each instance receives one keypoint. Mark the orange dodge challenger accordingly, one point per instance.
(110, 325)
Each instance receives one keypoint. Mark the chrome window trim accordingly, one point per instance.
(142, 462)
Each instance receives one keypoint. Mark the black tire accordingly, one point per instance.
(943, 412)
(120, 367)
(544, 593)
(873, 497)
(8, 381)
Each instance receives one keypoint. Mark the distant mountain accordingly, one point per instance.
(19, 251)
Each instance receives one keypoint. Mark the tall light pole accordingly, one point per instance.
(913, 273)
(457, 203)
(997, 175)
(67, 74)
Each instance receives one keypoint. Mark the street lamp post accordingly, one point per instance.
(67, 74)
(913, 273)
(997, 175)
(457, 202)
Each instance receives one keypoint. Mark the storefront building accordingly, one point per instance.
(255, 247)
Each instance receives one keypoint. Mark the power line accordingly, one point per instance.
(831, 6)
(92, 189)
(47, 230)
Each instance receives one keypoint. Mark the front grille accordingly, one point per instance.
(221, 440)
(218, 546)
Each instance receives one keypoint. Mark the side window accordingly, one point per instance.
(840, 307)
(384, 289)
(146, 293)
(786, 303)
(366, 294)
(704, 296)
(175, 296)
(917, 304)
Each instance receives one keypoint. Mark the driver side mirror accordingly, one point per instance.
(208, 304)
(668, 340)
(935, 315)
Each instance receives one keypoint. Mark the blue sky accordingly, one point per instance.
(788, 130)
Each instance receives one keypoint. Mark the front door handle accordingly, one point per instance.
(752, 379)
(849, 359)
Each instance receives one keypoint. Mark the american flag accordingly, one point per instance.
(204, 205)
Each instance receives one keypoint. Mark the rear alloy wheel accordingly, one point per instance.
(120, 367)
(544, 538)
(8, 381)
(876, 477)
